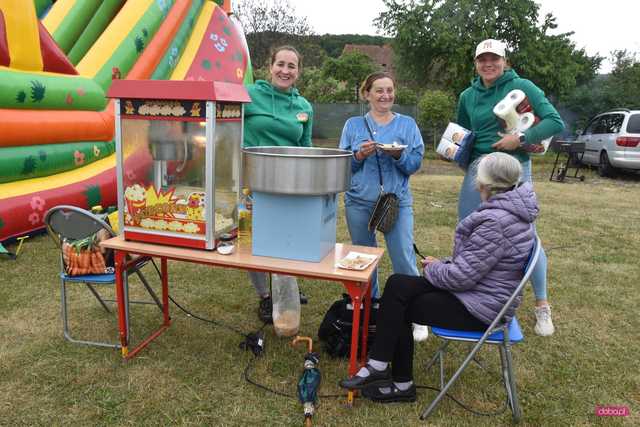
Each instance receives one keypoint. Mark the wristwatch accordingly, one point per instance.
(522, 138)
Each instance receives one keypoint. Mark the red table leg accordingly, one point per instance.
(356, 293)
(165, 312)
(365, 322)
(120, 271)
(165, 291)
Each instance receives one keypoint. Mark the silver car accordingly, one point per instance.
(612, 141)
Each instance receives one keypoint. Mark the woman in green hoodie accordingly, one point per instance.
(475, 112)
(277, 115)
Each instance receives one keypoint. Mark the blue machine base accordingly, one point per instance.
(301, 228)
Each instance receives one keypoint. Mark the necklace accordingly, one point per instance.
(385, 120)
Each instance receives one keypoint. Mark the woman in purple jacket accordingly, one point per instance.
(466, 291)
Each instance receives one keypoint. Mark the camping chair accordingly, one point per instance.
(74, 223)
(498, 333)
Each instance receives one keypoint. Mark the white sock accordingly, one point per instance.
(378, 365)
(420, 332)
(403, 386)
(375, 364)
(400, 386)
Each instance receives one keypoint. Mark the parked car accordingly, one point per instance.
(612, 141)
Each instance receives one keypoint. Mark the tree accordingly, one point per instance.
(405, 95)
(435, 109)
(435, 40)
(624, 86)
(619, 89)
(268, 25)
(318, 88)
(351, 68)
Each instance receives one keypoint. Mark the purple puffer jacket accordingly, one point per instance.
(491, 248)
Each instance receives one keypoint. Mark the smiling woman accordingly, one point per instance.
(475, 112)
(277, 116)
(284, 69)
(387, 149)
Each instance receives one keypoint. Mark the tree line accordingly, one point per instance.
(433, 43)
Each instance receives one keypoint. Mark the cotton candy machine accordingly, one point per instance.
(295, 197)
(303, 171)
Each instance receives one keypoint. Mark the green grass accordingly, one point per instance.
(193, 374)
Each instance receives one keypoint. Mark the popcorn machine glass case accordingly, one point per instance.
(178, 150)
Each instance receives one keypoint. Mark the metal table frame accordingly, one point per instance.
(357, 283)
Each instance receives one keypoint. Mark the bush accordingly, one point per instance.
(405, 96)
(436, 108)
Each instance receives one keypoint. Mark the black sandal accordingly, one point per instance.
(375, 377)
(395, 395)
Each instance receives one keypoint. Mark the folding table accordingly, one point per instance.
(356, 282)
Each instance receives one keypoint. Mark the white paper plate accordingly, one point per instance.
(356, 261)
(391, 147)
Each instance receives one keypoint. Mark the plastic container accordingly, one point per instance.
(245, 218)
(286, 305)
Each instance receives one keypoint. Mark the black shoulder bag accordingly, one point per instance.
(385, 212)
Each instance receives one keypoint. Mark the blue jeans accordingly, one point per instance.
(469, 200)
(399, 239)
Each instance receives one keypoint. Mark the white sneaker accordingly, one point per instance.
(544, 325)
(420, 332)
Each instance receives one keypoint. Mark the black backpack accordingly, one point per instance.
(335, 329)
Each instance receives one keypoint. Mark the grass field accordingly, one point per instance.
(193, 374)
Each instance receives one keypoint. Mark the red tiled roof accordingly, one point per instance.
(380, 55)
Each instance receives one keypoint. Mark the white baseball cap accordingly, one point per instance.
(491, 46)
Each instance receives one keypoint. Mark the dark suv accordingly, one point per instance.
(612, 141)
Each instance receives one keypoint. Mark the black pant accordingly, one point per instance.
(412, 299)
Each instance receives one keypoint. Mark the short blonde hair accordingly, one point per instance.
(499, 172)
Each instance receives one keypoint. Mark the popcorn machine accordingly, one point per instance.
(178, 148)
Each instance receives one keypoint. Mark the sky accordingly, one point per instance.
(600, 26)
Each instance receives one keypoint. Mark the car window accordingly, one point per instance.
(633, 125)
(611, 123)
(591, 127)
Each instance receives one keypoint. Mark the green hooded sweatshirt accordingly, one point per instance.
(475, 112)
(276, 118)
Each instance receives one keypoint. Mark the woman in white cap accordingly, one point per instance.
(475, 112)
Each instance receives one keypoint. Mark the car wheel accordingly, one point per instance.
(604, 167)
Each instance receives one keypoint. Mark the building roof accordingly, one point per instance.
(380, 55)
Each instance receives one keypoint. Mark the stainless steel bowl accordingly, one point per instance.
(306, 171)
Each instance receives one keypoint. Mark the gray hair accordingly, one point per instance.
(499, 172)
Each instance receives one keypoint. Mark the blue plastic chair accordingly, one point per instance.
(501, 334)
(75, 223)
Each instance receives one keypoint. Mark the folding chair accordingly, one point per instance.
(498, 333)
(75, 223)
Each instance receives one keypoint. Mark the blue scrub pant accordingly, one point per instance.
(399, 240)
(469, 200)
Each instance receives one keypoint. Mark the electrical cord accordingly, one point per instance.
(213, 322)
(277, 392)
(254, 341)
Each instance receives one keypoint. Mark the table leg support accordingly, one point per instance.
(356, 293)
(365, 322)
(165, 291)
(120, 271)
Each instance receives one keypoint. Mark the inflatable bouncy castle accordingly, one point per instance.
(58, 59)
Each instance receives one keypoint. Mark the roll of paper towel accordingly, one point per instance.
(507, 111)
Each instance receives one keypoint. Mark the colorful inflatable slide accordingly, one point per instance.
(56, 126)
